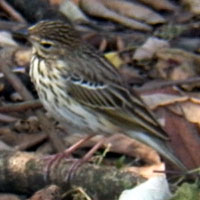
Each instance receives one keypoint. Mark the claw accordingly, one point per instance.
(86, 158)
(55, 159)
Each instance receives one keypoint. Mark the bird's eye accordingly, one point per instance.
(46, 45)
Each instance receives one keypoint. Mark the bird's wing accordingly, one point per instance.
(101, 88)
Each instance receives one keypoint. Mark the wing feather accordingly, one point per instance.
(106, 92)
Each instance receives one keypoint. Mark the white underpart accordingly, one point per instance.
(70, 115)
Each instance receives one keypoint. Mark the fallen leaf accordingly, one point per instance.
(6, 39)
(51, 192)
(134, 10)
(97, 9)
(114, 58)
(160, 4)
(147, 50)
(177, 64)
(9, 197)
(184, 139)
(193, 5)
(157, 99)
(73, 12)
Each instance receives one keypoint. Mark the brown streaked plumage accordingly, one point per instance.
(81, 88)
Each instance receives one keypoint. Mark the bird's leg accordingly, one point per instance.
(86, 158)
(65, 154)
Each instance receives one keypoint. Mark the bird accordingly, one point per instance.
(80, 88)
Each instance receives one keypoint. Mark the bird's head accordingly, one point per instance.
(50, 38)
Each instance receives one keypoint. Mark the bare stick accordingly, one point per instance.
(162, 84)
(12, 12)
(18, 107)
(7, 118)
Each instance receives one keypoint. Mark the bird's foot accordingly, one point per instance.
(54, 160)
(78, 163)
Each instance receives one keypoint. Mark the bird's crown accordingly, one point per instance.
(56, 30)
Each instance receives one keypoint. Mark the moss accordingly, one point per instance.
(187, 192)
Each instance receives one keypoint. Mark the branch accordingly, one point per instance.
(28, 170)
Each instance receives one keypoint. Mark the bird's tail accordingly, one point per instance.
(158, 145)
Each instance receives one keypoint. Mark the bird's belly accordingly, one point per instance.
(77, 118)
(54, 97)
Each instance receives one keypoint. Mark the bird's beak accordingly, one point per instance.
(25, 33)
(21, 34)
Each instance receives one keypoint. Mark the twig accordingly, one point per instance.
(49, 129)
(7, 118)
(162, 84)
(18, 107)
(11, 26)
(5, 63)
(15, 82)
(33, 142)
(12, 12)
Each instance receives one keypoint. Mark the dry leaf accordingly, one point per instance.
(191, 111)
(156, 99)
(177, 64)
(9, 197)
(147, 50)
(97, 9)
(134, 10)
(160, 4)
(6, 39)
(184, 138)
(193, 5)
(51, 192)
(4, 147)
(114, 58)
(7, 118)
(72, 12)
